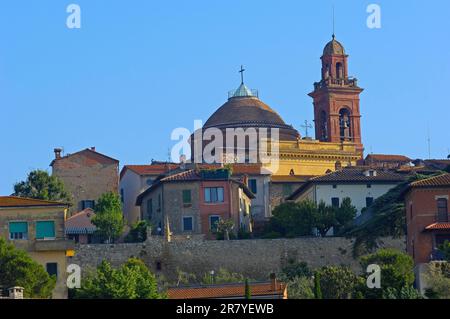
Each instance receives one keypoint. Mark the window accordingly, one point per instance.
(442, 210)
(334, 186)
(253, 186)
(149, 181)
(335, 202)
(158, 266)
(188, 224)
(149, 209)
(187, 198)
(369, 201)
(214, 194)
(369, 185)
(18, 230)
(213, 221)
(45, 230)
(345, 125)
(87, 204)
(52, 269)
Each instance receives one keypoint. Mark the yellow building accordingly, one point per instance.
(37, 227)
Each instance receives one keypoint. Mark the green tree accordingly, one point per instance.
(108, 218)
(403, 293)
(300, 288)
(337, 282)
(445, 249)
(345, 214)
(438, 280)
(317, 288)
(138, 232)
(325, 218)
(40, 185)
(387, 218)
(223, 276)
(397, 270)
(248, 292)
(18, 269)
(294, 270)
(131, 281)
(224, 229)
(293, 219)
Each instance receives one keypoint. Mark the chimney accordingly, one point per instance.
(15, 293)
(338, 166)
(183, 161)
(57, 153)
(245, 180)
(273, 282)
(93, 148)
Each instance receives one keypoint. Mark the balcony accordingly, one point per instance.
(57, 244)
(330, 82)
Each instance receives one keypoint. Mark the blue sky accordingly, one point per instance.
(138, 69)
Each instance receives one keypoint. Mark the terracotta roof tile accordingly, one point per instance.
(387, 158)
(438, 226)
(154, 169)
(225, 291)
(436, 181)
(14, 201)
(91, 156)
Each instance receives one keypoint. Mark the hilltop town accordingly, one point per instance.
(235, 223)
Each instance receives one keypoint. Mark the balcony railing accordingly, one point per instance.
(330, 82)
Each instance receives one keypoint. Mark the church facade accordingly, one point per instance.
(338, 141)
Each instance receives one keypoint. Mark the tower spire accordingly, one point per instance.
(334, 34)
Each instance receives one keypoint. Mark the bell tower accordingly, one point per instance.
(336, 100)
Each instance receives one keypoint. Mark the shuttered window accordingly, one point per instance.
(187, 196)
(18, 230)
(45, 229)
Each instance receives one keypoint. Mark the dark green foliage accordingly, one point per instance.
(40, 185)
(407, 292)
(243, 234)
(18, 269)
(325, 218)
(248, 292)
(131, 281)
(397, 271)
(345, 214)
(445, 249)
(108, 218)
(295, 269)
(388, 219)
(317, 288)
(337, 282)
(138, 233)
(293, 219)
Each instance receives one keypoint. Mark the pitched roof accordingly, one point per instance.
(152, 169)
(436, 181)
(14, 201)
(387, 158)
(226, 291)
(91, 154)
(191, 175)
(351, 175)
(438, 226)
(80, 223)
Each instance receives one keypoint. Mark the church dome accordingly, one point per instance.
(244, 109)
(334, 47)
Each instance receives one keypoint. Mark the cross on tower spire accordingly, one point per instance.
(241, 71)
(306, 126)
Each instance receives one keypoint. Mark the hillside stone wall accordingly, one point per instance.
(255, 259)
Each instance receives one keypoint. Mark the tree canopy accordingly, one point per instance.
(131, 281)
(108, 217)
(40, 185)
(18, 269)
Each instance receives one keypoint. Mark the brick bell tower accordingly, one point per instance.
(336, 100)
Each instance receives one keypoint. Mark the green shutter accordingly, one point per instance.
(18, 227)
(186, 196)
(45, 229)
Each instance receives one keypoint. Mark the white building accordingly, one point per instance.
(135, 179)
(361, 185)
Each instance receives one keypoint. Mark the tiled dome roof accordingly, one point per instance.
(334, 47)
(249, 111)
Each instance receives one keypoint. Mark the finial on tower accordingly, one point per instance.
(334, 33)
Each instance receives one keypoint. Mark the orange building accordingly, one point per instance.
(427, 217)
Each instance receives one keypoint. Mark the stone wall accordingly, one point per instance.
(253, 258)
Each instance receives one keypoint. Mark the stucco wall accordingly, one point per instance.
(253, 258)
